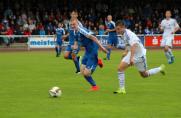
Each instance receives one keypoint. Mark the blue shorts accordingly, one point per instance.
(69, 49)
(90, 60)
(59, 42)
(113, 40)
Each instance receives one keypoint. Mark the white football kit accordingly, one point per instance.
(130, 39)
(168, 27)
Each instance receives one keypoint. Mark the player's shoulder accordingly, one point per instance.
(128, 31)
(113, 23)
(80, 24)
(164, 20)
(84, 31)
(173, 19)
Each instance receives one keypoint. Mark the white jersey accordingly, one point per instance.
(168, 27)
(130, 39)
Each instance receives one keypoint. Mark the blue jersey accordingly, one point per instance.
(60, 32)
(72, 34)
(81, 36)
(111, 25)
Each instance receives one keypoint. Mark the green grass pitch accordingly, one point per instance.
(26, 77)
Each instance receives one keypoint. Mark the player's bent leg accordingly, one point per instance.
(59, 50)
(56, 50)
(87, 75)
(67, 55)
(144, 74)
(168, 54)
(109, 47)
(82, 68)
(153, 71)
(171, 55)
(121, 77)
(76, 62)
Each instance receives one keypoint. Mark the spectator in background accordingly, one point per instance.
(8, 32)
(101, 30)
(140, 30)
(92, 14)
(31, 25)
(95, 31)
(27, 32)
(147, 31)
(42, 31)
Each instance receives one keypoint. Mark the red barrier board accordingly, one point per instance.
(155, 41)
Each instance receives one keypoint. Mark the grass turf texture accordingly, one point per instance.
(26, 77)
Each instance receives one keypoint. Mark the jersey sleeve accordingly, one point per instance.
(113, 25)
(176, 24)
(63, 31)
(84, 32)
(132, 39)
(162, 25)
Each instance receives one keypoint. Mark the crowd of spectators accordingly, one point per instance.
(40, 17)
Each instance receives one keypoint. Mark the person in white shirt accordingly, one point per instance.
(135, 54)
(169, 26)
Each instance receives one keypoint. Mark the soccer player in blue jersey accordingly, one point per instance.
(112, 37)
(71, 53)
(58, 38)
(90, 58)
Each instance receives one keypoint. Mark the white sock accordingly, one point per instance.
(121, 78)
(167, 54)
(170, 52)
(154, 71)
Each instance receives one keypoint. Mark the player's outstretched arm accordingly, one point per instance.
(98, 43)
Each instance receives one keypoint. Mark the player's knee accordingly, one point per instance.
(166, 48)
(120, 70)
(73, 56)
(66, 56)
(144, 74)
(86, 72)
(82, 70)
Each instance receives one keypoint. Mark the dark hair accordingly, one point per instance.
(120, 23)
(74, 10)
(168, 11)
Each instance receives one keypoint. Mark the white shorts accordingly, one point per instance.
(167, 41)
(139, 62)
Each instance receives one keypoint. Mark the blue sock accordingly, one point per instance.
(76, 62)
(70, 56)
(56, 49)
(90, 80)
(109, 53)
(59, 50)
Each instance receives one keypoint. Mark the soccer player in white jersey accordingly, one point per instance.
(169, 26)
(135, 54)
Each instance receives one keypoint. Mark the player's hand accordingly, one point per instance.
(131, 62)
(124, 54)
(105, 50)
(108, 30)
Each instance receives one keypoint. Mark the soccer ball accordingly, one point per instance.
(55, 92)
